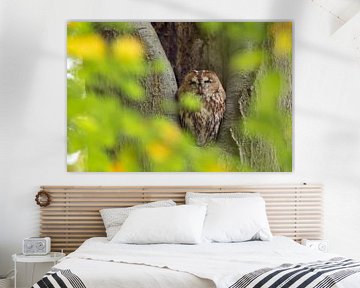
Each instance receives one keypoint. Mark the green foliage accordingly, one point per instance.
(190, 102)
(211, 27)
(78, 28)
(157, 66)
(248, 60)
(253, 32)
(119, 27)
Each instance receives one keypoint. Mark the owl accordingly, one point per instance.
(203, 124)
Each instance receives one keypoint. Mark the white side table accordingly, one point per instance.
(53, 257)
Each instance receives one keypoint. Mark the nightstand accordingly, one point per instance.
(320, 245)
(53, 257)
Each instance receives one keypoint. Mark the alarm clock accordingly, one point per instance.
(320, 245)
(36, 246)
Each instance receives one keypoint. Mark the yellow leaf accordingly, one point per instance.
(117, 167)
(158, 151)
(282, 33)
(128, 49)
(86, 46)
(283, 43)
(72, 24)
(214, 167)
(170, 133)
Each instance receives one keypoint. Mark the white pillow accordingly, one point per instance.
(180, 224)
(236, 220)
(204, 198)
(113, 218)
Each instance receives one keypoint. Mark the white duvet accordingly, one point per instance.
(100, 263)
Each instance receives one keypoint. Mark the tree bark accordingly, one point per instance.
(187, 48)
(158, 86)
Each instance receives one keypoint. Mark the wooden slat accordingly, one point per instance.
(73, 216)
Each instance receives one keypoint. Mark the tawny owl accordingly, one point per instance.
(203, 124)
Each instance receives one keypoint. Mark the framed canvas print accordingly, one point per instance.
(179, 96)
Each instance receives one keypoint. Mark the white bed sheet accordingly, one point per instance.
(100, 263)
(101, 274)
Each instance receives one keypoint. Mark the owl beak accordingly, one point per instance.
(200, 89)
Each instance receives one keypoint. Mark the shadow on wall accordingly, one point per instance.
(21, 53)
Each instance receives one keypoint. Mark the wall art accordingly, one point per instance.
(179, 96)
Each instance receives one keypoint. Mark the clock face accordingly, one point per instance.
(323, 247)
(40, 245)
(35, 246)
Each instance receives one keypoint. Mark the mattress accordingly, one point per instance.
(99, 263)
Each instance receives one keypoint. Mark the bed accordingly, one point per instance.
(294, 211)
(99, 263)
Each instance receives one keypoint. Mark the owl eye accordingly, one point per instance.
(208, 81)
(193, 83)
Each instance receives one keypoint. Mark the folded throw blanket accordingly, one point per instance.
(319, 274)
(59, 278)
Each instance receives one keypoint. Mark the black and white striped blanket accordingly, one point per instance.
(320, 274)
(57, 278)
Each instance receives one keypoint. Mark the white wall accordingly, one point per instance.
(33, 107)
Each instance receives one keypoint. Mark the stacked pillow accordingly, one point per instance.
(233, 217)
(172, 225)
(220, 217)
(114, 218)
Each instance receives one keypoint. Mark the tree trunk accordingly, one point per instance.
(158, 86)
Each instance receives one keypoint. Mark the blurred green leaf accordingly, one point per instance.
(157, 66)
(267, 102)
(169, 107)
(248, 60)
(127, 160)
(190, 102)
(211, 27)
(115, 27)
(78, 28)
(133, 90)
(246, 32)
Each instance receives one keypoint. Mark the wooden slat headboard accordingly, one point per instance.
(73, 215)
